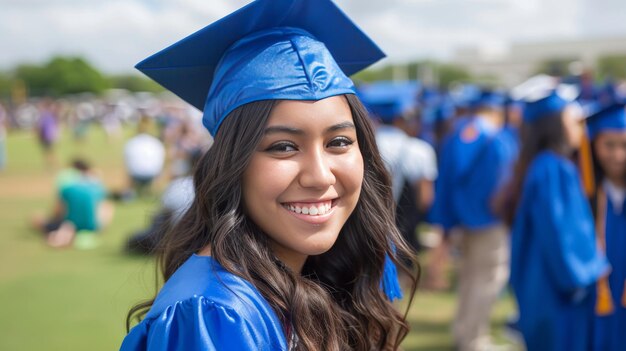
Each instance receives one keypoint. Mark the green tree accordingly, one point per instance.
(135, 83)
(61, 76)
(444, 74)
(5, 85)
(555, 67)
(612, 67)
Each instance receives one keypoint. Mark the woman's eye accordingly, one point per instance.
(282, 147)
(340, 142)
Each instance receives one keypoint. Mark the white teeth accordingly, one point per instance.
(312, 210)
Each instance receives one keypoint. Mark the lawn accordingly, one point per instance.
(77, 300)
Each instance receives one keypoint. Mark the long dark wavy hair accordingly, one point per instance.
(546, 133)
(336, 302)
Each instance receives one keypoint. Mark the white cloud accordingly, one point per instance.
(116, 34)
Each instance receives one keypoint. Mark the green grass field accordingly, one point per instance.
(77, 300)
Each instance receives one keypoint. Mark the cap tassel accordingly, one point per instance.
(604, 303)
(390, 283)
(585, 162)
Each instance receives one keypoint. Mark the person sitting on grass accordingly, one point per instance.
(80, 208)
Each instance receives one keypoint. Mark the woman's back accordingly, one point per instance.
(554, 260)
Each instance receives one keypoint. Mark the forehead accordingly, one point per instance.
(312, 114)
(612, 135)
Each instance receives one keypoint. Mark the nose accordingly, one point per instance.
(316, 170)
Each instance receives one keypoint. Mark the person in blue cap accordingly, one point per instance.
(290, 242)
(410, 161)
(607, 132)
(474, 162)
(554, 258)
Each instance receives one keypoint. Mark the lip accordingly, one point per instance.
(318, 219)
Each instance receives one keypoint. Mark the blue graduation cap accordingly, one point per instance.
(389, 100)
(269, 49)
(551, 105)
(610, 118)
(489, 99)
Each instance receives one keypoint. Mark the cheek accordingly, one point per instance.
(265, 179)
(350, 172)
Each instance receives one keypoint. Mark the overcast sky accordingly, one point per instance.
(115, 34)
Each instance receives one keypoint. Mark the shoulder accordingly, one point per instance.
(552, 172)
(201, 278)
(549, 163)
(204, 307)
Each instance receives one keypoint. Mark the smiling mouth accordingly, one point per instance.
(312, 209)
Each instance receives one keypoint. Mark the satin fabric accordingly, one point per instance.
(609, 330)
(471, 169)
(255, 53)
(203, 307)
(554, 259)
(274, 64)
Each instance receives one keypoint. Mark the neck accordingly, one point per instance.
(295, 261)
(492, 118)
(618, 182)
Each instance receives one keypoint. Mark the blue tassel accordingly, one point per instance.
(390, 283)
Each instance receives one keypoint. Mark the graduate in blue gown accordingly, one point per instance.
(475, 162)
(290, 242)
(607, 132)
(554, 260)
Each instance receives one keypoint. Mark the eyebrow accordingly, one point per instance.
(297, 131)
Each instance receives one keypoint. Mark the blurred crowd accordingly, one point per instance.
(162, 139)
(511, 186)
(462, 160)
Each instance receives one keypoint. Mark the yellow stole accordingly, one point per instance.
(604, 301)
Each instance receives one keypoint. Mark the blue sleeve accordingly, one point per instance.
(564, 226)
(201, 325)
(441, 211)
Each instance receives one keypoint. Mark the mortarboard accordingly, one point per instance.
(490, 99)
(549, 105)
(269, 49)
(389, 100)
(610, 118)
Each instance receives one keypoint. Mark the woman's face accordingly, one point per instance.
(305, 177)
(574, 126)
(610, 149)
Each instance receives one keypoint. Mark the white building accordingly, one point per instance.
(514, 64)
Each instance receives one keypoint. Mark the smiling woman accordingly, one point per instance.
(304, 180)
(290, 243)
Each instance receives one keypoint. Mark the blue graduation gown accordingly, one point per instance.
(610, 330)
(471, 170)
(554, 259)
(203, 307)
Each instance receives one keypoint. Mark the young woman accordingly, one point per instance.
(607, 131)
(554, 259)
(289, 242)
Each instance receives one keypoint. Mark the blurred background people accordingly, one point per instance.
(554, 259)
(175, 200)
(475, 162)
(144, 158)
(411, 162)
(48, 130)
(607, 132)
(80, 207)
